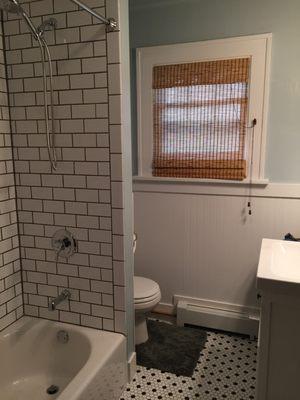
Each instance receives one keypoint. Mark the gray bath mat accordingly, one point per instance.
(171, 349)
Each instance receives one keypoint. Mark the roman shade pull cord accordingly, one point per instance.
(252, 127)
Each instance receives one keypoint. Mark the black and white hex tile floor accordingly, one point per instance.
(226, 369)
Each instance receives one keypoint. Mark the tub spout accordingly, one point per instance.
(53, 303)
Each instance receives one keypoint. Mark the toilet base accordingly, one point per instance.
(141, 330)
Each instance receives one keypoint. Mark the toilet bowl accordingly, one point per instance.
(146, 296)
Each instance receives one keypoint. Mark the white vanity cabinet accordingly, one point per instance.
(278, 282)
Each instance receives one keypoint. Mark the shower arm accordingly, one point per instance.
(110, 22)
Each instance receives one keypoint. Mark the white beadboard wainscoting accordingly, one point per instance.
(197, 240)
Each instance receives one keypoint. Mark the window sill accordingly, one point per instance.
(193, 181)
(198, 186)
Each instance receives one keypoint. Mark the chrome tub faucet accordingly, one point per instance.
(54, 302)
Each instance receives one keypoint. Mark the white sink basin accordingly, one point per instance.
(279, 262)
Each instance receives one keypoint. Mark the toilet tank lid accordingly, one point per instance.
(144, 287)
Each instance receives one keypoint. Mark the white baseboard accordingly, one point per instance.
(131, 366)
(217, 315)
(212, 314)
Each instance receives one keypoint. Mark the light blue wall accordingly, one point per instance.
(155, 22)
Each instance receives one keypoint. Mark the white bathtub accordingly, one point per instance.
(90, 365)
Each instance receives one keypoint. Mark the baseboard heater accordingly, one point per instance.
(217, 317)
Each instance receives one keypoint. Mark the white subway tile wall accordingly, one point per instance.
(85, 194)
(11, 302)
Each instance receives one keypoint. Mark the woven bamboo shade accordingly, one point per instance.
(199, 119)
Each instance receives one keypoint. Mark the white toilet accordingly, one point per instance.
(146, 296)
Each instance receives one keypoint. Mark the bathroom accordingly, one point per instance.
(135, 264)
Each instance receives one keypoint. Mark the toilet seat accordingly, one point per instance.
(145, 289)
(146, 293)
(147, 300)
(146, 297)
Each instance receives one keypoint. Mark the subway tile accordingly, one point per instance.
(96, 125)
(63, 194)
(100, 48)
(90, 297)
(101, 210)
(72, 125)
(30, 310)
(74, 181)
(36, 300)
(88, 247)
(69, 67)
(79, 193)
(20, 41)
(79, 283)
(115, 109)
(41, 193)
(102, 311)
(45, 313)
(94, 96)
(82, 81)
(69, 35)
(41, 7)
(60, 52)
(119, 298)
(113, 49)
(67, 269)
(57, 280)
(98, 182)
(97, 154)
(87, 222)
(46, 267)
(92, 322)
(87, 195)
(30, 287)
(81, 50)
(78, 18)
(63, 6)
(70, 97)
(86, 168)
(64, 220)
(95, 64)
(92, 33)
(101, 261)
(69, 317)
(120, 322)
(107, 300)
(114, 79)
(54, 206)
(89, 273)
(34, 254)
(43, 218)
(46, 290)
(39, 167)
(101, 80)
(101, 110)
(108, 324)
(76, 208)
(73, 154)
(106, 249)
(30, 179)
(32, 205)
(81, 308)
(36, 277)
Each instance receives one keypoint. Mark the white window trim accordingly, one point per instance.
(258, 47)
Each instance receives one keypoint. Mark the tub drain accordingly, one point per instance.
(53, 389)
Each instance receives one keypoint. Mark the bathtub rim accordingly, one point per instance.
(98, 357)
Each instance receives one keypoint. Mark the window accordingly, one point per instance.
(196, 104)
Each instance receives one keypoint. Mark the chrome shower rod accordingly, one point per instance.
(110, 22)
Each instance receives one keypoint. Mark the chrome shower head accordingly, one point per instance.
(11, 6)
